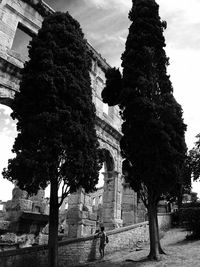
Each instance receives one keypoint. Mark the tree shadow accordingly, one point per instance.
(145, 259)
(142, 260)
(92, 254)
(139, 262)
(185, 242)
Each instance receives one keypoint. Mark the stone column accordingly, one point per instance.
(129, 205)
(80, 220)
(112, 200)
(74, 213)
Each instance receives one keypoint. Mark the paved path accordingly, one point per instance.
(180, 253)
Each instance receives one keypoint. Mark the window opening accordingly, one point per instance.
(22, 38)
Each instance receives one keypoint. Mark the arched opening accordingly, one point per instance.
(108, 166)
(97, 198)
(109, 162)
(22, 38)
(8, 133)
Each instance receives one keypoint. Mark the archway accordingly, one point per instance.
(108, 166)
(97, 197)
(111, 200)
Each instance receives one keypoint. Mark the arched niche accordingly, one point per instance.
(108, 160)
(111, 192)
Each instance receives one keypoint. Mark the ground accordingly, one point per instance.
(180, 252)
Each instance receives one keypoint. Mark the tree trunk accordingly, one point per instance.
(180, 197)
(153, 229)
(53, 224)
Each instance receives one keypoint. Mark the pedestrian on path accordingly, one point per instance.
(102, 241)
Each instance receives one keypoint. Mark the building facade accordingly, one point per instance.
(21, 19)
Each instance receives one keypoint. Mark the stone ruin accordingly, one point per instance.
(23, 220)
(29, 216)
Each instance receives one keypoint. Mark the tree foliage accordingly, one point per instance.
(153, 144)
(182, 185)
(55, 113)
(194, 156)
(56, 140)
(113, 87)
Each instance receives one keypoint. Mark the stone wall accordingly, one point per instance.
(24, 16)
(75, 251)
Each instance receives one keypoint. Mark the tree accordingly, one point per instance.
(183, 185)
(56, 140)
(194, 156)
(153, 144)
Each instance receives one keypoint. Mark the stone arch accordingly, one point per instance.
(111, 213)
(108, 160)
(109, 154)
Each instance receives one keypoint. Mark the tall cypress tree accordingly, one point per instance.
(56, 140)
(153, 143)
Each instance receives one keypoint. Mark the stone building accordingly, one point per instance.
(22, 19)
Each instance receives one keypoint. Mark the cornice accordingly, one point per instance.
(108, 128)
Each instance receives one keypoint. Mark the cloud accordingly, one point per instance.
(120, 5)
(183, 22)
(7, 125)
(7, 136)
(63, 5)
(104, 22)
(111, 17)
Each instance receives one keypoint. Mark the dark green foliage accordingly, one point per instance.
(112, 90)
(144, 60)
(183, 185)
(175, 218)
(190, 219)
(153, 144)
(191, 204)
(39, 6)
(153, 141)
(186, 174)
(55, 113)
(194, 156)
(57, 140)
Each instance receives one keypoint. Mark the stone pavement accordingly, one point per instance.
(179, 252)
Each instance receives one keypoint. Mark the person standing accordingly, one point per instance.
(102, 237)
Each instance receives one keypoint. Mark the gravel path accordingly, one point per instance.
(180, 253)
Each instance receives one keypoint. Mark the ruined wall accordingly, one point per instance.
(129, 205)
(81, 250)
(27, 17)
(13, 14)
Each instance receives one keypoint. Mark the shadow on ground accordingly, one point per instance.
(183, 242)
(126, 263)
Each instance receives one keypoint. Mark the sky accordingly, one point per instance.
(105, 24)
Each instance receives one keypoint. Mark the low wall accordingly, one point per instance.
(75, 251)
(164, 220)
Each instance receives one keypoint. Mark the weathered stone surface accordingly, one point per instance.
(4, 226)
(74, 252)
(18, 13)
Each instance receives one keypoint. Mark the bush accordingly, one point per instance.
(190, 205)
(190, 219)
(175, 219)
